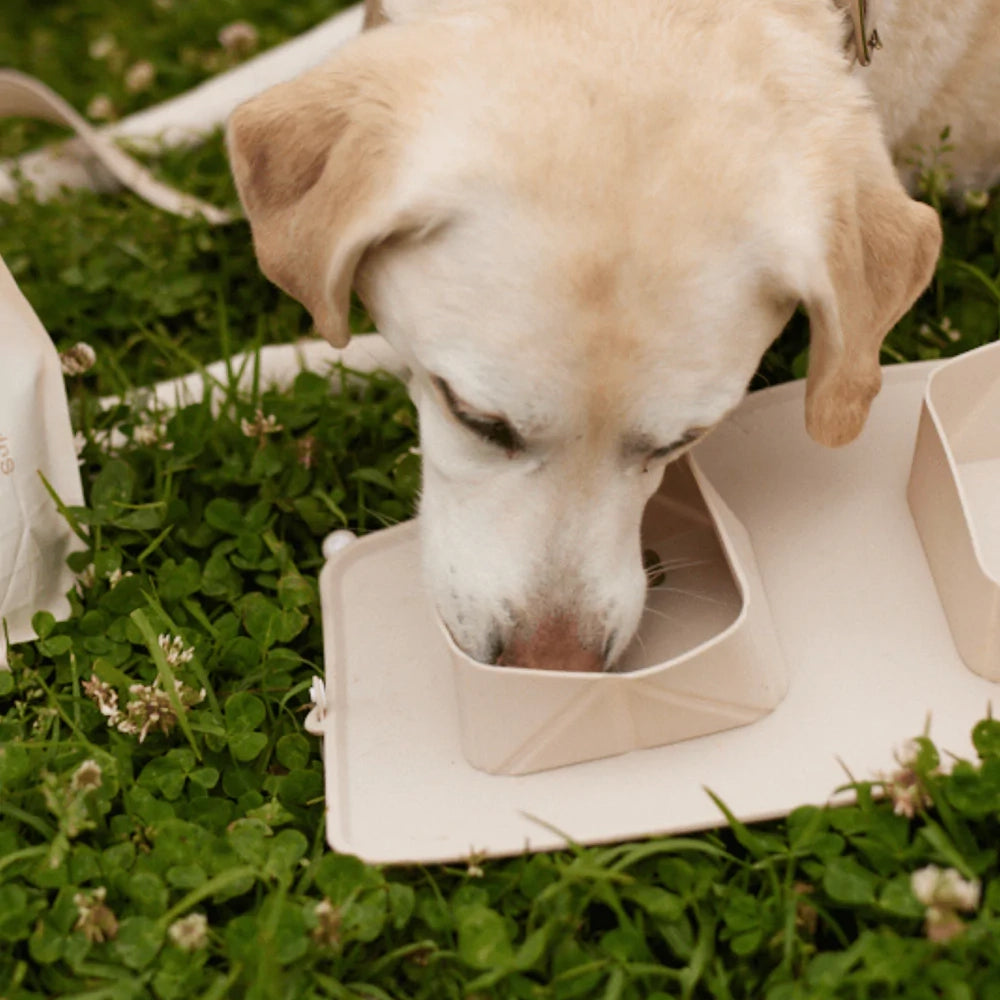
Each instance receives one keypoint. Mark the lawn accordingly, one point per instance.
(161, 848)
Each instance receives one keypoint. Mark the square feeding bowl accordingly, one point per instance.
(706, 657)
(954, 496)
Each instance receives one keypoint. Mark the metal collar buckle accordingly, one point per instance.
(865, 41)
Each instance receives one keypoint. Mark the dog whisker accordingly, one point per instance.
(687, 593)
(658, 613)
(678, 562)
(673, 566)
(639, 642)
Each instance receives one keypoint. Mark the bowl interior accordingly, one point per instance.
(694, 597)
(966, 396)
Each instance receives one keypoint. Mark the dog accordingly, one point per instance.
(581, 223)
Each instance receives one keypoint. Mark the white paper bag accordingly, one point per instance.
(35, 432)
(35, 437)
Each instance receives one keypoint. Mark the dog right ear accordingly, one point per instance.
(318, 164)
(882, 248)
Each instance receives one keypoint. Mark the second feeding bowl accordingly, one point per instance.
(954, 495)
(705, 659)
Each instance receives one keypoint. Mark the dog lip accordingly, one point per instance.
(494, 644)
(496, 649)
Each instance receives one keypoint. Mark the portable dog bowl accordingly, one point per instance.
(954, 494)
(705, 658)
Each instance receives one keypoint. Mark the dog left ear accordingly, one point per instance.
(881, 251)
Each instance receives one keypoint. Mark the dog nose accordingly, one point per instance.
(554, 645)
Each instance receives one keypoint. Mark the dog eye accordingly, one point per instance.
(495, 430)
(682, 442)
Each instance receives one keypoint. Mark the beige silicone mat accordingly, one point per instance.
(856, 611)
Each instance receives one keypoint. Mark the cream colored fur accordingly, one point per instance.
(940, 68)
(590, 218)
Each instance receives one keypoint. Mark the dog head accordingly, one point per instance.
(582, 229)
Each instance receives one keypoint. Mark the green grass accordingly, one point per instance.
(222, 815)
(61, 43)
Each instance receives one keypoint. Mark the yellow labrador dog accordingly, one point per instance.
(581, 223)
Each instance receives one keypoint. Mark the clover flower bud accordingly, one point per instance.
(190, 933)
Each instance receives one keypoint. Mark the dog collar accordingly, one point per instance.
(866, 38)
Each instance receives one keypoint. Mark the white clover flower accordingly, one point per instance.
(905, 787)
(977, 200)
(474, 864)
(907, 799)
(907, 792)
(176, 650)
(923, 882)
(962, 894)
(934, 886)
(951, 332)
(944, 892)
(260, 426)
(150, 433)
(78, 359)
(116, 576)
(102, 46)
(190, 933)
(87, 777)
(100, 108)
(150, 707)
(105, 696)
(96, 921)
(140, 76)
(327, 929)
(239, 38)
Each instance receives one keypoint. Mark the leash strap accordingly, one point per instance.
(23, 96)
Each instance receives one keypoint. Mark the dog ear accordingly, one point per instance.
(317, 163)
(881, 252)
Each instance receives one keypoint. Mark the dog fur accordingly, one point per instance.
(581, 223)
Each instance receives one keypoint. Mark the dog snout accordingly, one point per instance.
(555, 644)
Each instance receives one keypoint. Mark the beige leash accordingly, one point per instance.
(22, 96)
